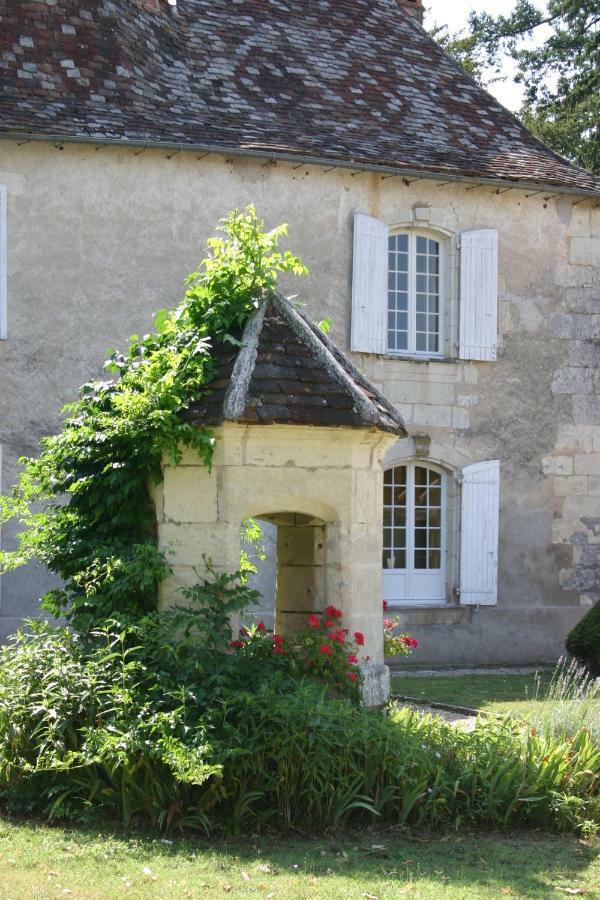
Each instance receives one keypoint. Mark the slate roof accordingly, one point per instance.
(346, 81)
(288, 372)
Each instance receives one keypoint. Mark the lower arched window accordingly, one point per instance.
(414, 533)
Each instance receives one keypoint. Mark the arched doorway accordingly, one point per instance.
(414, 532)
(291, 579)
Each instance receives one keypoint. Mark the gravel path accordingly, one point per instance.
(467, 723)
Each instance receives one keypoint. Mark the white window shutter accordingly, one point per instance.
(480, 512)
(3, 268)
(478, 294)
(369, 285)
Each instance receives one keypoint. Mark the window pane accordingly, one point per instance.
(400, 559)
(388, 559)
(402, 281)
(421, 245)
(401, 341)
(435, 518)
(400, 517)
(421, 475)
(433, 343)
(402, 240)
(421, 264)
(435, 496)
(435, 539)
(435, 559)
(435, 478)
(421, 343)
(421, 538)
(399, 538)
(421, 517)
(421, 321)
(387, 496)
(420, 559)
(387, 518)
(387, 537)
(400, 495)
(433, 247)
(421, 284)
(392, 340)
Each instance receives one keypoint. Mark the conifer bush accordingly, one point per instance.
(583, 642)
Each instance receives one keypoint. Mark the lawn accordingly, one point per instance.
(490, 693)
(40, 861)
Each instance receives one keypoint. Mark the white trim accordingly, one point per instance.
(3, 265)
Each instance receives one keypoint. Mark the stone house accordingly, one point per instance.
(457, 257)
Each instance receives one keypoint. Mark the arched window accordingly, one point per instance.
(414, 539)
(415, 294)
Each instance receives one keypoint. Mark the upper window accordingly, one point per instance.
(414, 294)
(423, 293)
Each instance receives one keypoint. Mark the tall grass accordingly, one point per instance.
(569, 704)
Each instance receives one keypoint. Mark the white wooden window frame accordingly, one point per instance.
(410, 465)
(441, 239)
(3, 265)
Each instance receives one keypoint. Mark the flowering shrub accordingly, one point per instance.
(321, 650)
(396, 644)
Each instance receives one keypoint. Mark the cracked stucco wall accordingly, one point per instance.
(99, 240)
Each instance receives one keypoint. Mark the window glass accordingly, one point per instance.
(412, 518)
(414, 294)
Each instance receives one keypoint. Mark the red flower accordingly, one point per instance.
(338, 636)
(237, 645)
(387, 623)
(313, 622)
(277, 640)
(333, 613)
(261, 626)
(329, 623)
(352, 676)
(386, 605)
(359, 638)
(278, 649)
(326, 650)
(410, 642)
(353, 659)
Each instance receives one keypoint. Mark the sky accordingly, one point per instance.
(454, 13)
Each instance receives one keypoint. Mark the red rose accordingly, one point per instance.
(353, 659)
(326, 650)
(387, 623)
(386, 605)
(277, 640)
(237, 645)
(338, 636)
(359, 638)
(410, 642)
(329, 623)
(278, 649)
(352, 676)
(261, 626)
(313, 622)
(333, 613)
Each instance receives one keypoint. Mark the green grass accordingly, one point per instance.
(38, 861)
(493, 693)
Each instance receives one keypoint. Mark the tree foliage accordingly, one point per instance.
(560, 71)
(85, 504)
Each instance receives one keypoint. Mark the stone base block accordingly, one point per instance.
(376, 685)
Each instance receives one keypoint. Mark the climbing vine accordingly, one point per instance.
(85, 505)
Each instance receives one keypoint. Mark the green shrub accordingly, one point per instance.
(583, 642)
(130, 725)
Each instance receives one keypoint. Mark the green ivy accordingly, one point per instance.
(101, 541)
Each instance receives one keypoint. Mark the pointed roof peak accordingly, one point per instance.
(287, 371)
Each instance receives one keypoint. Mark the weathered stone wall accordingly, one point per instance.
(100, 239)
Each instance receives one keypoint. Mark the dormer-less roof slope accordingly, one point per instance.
(349, 83)
(287, 371)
